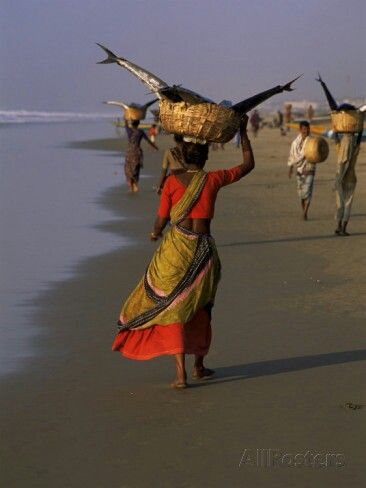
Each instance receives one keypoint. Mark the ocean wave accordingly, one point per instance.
(31, 116)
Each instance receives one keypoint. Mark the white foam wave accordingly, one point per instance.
(31, 116)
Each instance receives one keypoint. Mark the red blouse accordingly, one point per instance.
(173, 191)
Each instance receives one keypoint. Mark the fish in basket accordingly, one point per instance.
(134, 111)
(185, 112)
(345, 117)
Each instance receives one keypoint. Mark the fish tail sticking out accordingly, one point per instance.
(332, 103)
(146, 105)
(248, 104)
(117, 104)
(112, 58)
(154, 83)
(287, 86)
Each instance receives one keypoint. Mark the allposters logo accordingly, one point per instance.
(275, 458)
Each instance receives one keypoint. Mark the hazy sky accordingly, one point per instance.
(223, 49)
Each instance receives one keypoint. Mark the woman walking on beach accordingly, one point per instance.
(255, 121)
(169, 312)
(134, 155)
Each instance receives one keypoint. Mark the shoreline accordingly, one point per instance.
(285, 357)
(43, 233)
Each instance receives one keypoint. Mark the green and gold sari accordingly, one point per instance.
(182, 276)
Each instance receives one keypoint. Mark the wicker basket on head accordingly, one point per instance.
(316, 149)
(205, 121)
(347, 121)
(135, 113)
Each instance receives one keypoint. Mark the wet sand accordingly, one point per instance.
(288, 346)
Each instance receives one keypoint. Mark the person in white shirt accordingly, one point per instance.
(305, 171)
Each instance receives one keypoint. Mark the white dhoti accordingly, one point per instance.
(305, 171)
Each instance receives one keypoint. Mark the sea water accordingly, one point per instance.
(48, 213)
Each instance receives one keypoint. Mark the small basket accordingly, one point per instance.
(205, 121)
(347, 121)
(133, 113)
(316, 149)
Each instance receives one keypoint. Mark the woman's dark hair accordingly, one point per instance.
(195, 153)
(135, 123)
(178, 138)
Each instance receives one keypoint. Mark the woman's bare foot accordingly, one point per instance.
(180, 374)
(179, 384)
(135, 188)
(180, 380)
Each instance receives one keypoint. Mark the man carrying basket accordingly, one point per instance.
(348, 121)
(305, 171)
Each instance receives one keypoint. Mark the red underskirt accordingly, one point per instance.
(158, 340)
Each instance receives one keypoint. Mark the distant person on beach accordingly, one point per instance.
(305, 172)
(172, 162)
(134, 155)
(169, 312)
(287, 116)
(255, 122)
(280, 122)
(348, 148)
(153, 132)
(310, 113)
(279, 118)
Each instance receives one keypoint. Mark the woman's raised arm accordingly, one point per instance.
(248, 157)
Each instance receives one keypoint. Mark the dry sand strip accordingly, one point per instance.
(288, 347)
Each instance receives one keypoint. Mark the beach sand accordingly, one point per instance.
(289, 331)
